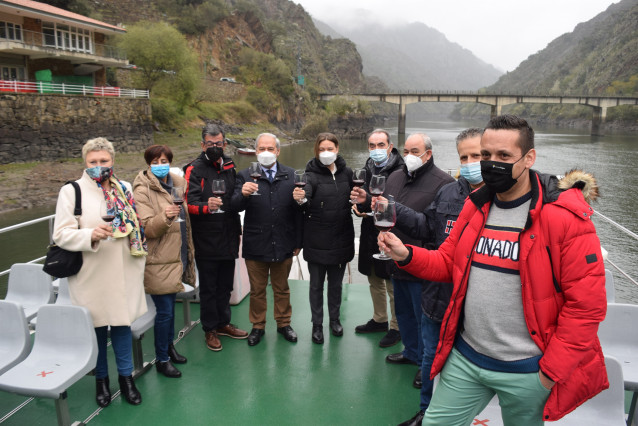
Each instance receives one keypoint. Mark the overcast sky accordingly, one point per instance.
(500, 32)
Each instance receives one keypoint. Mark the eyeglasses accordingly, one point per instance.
(208, 144)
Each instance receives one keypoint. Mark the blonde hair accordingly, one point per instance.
(98, 144)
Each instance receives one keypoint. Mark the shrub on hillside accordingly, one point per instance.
(313, 126)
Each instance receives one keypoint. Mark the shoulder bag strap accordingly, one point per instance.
(78, 198)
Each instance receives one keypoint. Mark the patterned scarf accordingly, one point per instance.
(126, 222)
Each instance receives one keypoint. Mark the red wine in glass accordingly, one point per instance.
(358, 183)
(219, 189)
(177, 192)
(384, 225)
(376, 191)
(108, 217)
(300, 184)
(255, 172)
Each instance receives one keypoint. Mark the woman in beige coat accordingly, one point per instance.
(170, 249)
(110, 283)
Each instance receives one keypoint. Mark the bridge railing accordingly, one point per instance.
(398, 92)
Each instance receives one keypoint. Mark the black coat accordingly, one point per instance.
(434, 224)
(215, 236)
(368, 238)
(273, 219)
(417, 191)
(328, 229)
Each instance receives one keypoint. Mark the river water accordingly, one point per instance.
(612, 158)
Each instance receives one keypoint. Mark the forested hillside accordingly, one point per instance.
(598, 57)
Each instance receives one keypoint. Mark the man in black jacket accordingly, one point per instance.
(272, 236)
(433, 225)
(215, 236)
(384, 159)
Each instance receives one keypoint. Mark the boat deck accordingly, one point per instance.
(345, 381)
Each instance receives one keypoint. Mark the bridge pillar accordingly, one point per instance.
(402, 114)
(598, 116)
(496, 110)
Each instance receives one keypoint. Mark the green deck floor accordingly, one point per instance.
(345, 381)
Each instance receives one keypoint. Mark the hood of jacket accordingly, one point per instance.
(146, 178)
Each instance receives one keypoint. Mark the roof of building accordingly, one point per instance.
(36, 9)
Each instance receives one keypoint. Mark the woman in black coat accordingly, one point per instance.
(328, 243)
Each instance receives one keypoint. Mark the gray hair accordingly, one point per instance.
(427, 142)
(98, 144)
(213, 130)
(472, 132)
(385, 132)
(267, 134)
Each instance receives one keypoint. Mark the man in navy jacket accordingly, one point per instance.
(272, 236)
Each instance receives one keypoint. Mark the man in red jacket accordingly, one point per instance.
(529, 290)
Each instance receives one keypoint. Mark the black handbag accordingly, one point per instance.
(61, 263)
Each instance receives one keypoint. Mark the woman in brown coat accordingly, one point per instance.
(170, 249)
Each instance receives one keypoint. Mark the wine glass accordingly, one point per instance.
(219, 189)
(376, 188)
(255, 173)
(300, 178)
(385, 216)
(177, 192)
(358, 180)
(107, 211)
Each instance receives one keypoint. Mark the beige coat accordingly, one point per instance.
(110, 283)
(163, 274)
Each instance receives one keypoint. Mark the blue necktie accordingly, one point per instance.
(270, 177)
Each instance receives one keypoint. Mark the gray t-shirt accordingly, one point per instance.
(494, 322)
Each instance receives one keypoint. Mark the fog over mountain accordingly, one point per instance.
(415, 57)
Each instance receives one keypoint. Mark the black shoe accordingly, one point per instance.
(417, 382)
(398, 358)
(129, 391)
(175, 357)
(317, 334)
(288, 332)
(168, 369)
(102, 392)
(255, 336)
(414, 421)
(336, 328)
(372, 327)
(391, 338)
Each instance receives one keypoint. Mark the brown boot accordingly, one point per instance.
(231, 331)
(212, 341)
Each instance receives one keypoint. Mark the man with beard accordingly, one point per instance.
(216, 236)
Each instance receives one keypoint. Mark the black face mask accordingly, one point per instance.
(214, 153)
(497, 175)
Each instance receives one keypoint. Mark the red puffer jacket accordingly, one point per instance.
(563, 286)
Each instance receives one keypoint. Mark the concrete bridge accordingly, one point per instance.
(599, 104)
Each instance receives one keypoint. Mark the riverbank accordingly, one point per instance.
(37, 184)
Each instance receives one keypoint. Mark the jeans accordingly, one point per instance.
(121, 340)
(465, 389)
(216, 279)
(407, 303)
(335, 284)
(430, 331)
(164, 324)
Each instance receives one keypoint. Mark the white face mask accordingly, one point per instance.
(413, 162)
(266, 158)
(327, 157)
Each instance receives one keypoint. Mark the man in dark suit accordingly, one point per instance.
(272, 236)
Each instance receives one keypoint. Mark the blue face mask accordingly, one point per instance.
(100, 173)
(472, 172)
(379, 155)
(160, 170)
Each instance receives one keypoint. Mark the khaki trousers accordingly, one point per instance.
(258, 275)
(379, 287)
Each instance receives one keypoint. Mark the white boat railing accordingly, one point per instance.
(50, 218)
(624, 230)
(24, 225)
